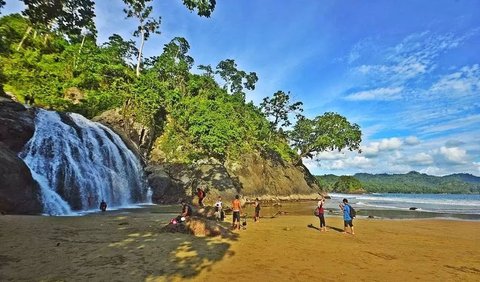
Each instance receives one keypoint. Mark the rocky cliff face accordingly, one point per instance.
(264, 176)
(256, 174)
(19, 193)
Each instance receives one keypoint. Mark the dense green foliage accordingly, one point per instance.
(412, 182)
(330, 131)
(347, 184)
(56, 63)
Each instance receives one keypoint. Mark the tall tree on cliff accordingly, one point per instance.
(235, 80)
(204, 8)
(279, 107)
(329, 131)
(140, 10)
(69, 17)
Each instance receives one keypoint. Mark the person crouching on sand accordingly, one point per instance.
(237, 209)
(347, 220)
(321, 214)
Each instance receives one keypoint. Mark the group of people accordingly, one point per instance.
(347, 215)
(219, 209)
(237, 211)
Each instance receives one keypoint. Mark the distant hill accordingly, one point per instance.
(412, 182)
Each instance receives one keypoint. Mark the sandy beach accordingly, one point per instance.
(129, 246)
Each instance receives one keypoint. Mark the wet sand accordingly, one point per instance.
(128, 246)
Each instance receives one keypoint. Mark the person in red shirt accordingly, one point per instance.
(201, 196)
(237, 209)
(321, 216)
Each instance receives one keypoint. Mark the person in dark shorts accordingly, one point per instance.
(347, 220)
(321, 214)
(237, 209)
(256, 218)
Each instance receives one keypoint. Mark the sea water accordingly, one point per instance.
(460, 206)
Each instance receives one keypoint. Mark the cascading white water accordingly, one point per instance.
(78, 163)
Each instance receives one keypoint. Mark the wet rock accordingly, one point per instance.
(413, 208)
(198, 226)
(19, 192)
(17, 124)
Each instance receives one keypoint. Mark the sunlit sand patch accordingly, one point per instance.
(122, 243)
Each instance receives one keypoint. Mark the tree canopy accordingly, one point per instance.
(329, 131)
(185, 115)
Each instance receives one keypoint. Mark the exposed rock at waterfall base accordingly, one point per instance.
(19, 193)
(17, 124)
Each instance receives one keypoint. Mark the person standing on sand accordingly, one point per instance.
(219, 209)
(237, 209)
(347, 220)
(201, 196)
(321, 214)
(257, 210)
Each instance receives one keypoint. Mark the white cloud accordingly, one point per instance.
(385, 94)
(466, 81)
(454, 154)
(331, 155)
(413, 57)
(477, 166)
(421, 159)
(412, 140)
(387, 144)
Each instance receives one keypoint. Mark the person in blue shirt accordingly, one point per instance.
(347, 220)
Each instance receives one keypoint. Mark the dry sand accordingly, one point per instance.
(128, 246)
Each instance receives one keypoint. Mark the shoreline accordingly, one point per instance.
(128, 245)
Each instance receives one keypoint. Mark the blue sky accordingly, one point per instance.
(408, 72)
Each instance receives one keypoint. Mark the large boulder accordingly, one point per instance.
(164, 188)
(19, 192)
(17, 124)
(266, 174)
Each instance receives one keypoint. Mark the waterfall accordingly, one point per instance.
(78, 163)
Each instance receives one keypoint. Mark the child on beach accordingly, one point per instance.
(347, 220)
(237, 209)
(257, 210)
(219, 209)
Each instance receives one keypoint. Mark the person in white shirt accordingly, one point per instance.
(219, 215)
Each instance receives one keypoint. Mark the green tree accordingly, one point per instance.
(147, 25)
(348, 184)
(330, 131)
(69, 17)
(204, 8)
(2, 3)
(279, 107)
(235, 79)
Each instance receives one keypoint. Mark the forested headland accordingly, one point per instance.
(412, 182)
(50, 57)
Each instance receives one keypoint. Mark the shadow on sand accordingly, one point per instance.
(120, 246)
(335, 228)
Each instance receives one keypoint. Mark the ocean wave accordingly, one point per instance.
(404, 198)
